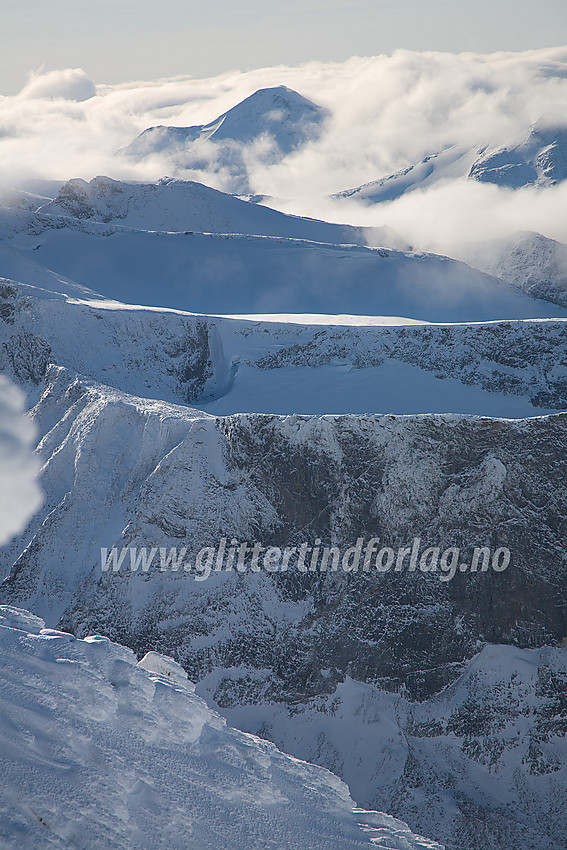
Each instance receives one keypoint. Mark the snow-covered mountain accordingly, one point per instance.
(279, 112)
(482, 764)
(158, 473)
(99, 750)
(538, 159)
(532, 262)
(181, 205)
(274, 384)
(452, 163)
(275, 121)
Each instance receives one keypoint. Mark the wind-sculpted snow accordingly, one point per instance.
(99, 751)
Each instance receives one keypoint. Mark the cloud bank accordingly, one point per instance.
(388, 112)
(70, 84)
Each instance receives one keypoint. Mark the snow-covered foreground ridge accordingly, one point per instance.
(99, 751)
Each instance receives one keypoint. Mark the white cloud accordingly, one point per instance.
(387, 112)
(20, 495)
(70, 84)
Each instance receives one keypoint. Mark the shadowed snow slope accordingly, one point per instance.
(216, 274)
(98, 751)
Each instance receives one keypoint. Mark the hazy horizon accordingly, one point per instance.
(122, 43)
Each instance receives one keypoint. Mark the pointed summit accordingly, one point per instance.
(280, 113)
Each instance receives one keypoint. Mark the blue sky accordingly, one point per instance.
(119, 40)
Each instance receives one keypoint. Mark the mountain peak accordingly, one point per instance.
(279, 116)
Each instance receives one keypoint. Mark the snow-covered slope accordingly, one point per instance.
(164, 475)
(452, 163)
(532, 262)
(539, 159)
(489, 750)
(98, 751)
(157, 473)
(275, 121)
(219, 274)
(180, 205)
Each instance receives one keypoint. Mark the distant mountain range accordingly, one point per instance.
(537, 159)
(275, 122)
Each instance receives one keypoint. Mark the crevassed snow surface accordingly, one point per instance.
(98, 751)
